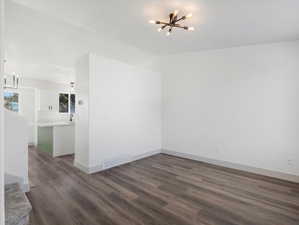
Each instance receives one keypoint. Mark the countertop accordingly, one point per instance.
(55, 124)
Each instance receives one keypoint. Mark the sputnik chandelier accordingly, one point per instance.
(173, 22)
(15, 80)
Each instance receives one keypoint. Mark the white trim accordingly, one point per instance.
(86, 169)
(270, 173)
(132, 159)
(265, 172)
(2, 23)
(147, 154)
(119, 162)
(81, 167)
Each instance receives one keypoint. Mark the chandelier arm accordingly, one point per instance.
(175, 18)
(179, 26)
(163, 27)
(171, 17)
(160, 22)
(182, 18)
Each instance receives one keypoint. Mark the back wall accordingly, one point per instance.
(237, 105)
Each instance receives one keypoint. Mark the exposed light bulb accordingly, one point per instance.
(191, 28)
(160, 29)
(189, 15)
(152, 21)
(176, 12)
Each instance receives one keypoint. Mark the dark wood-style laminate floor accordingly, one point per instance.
(162, 190)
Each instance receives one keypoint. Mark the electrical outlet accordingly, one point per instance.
(290, 162)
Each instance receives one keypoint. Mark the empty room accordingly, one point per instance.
(157, 112)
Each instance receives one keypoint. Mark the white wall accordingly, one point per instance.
(16, 149)
(27, 109)
(124, 112)
(238, 105)
(27, 104)
(43, 84)
(82, 111)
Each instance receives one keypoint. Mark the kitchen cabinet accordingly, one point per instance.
(57, 139)
(49, 100)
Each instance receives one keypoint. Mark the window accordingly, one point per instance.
(63, 103)
(73, 103)
(11, 101)
(67, 103)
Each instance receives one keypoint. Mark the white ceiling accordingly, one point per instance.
(46, 37)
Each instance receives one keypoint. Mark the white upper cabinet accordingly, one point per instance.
(49, 100)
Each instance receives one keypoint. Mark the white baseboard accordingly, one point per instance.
(147, 154)
(119, 162)
(114, 162)
(86, 169)
(265, 172)
(81, 167)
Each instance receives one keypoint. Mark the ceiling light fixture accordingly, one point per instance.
(15, 81)
(173, 22)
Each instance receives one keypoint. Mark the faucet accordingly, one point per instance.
(71, 117)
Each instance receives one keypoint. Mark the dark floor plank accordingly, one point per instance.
(158, 190)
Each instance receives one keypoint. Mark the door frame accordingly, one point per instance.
(1, 113)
